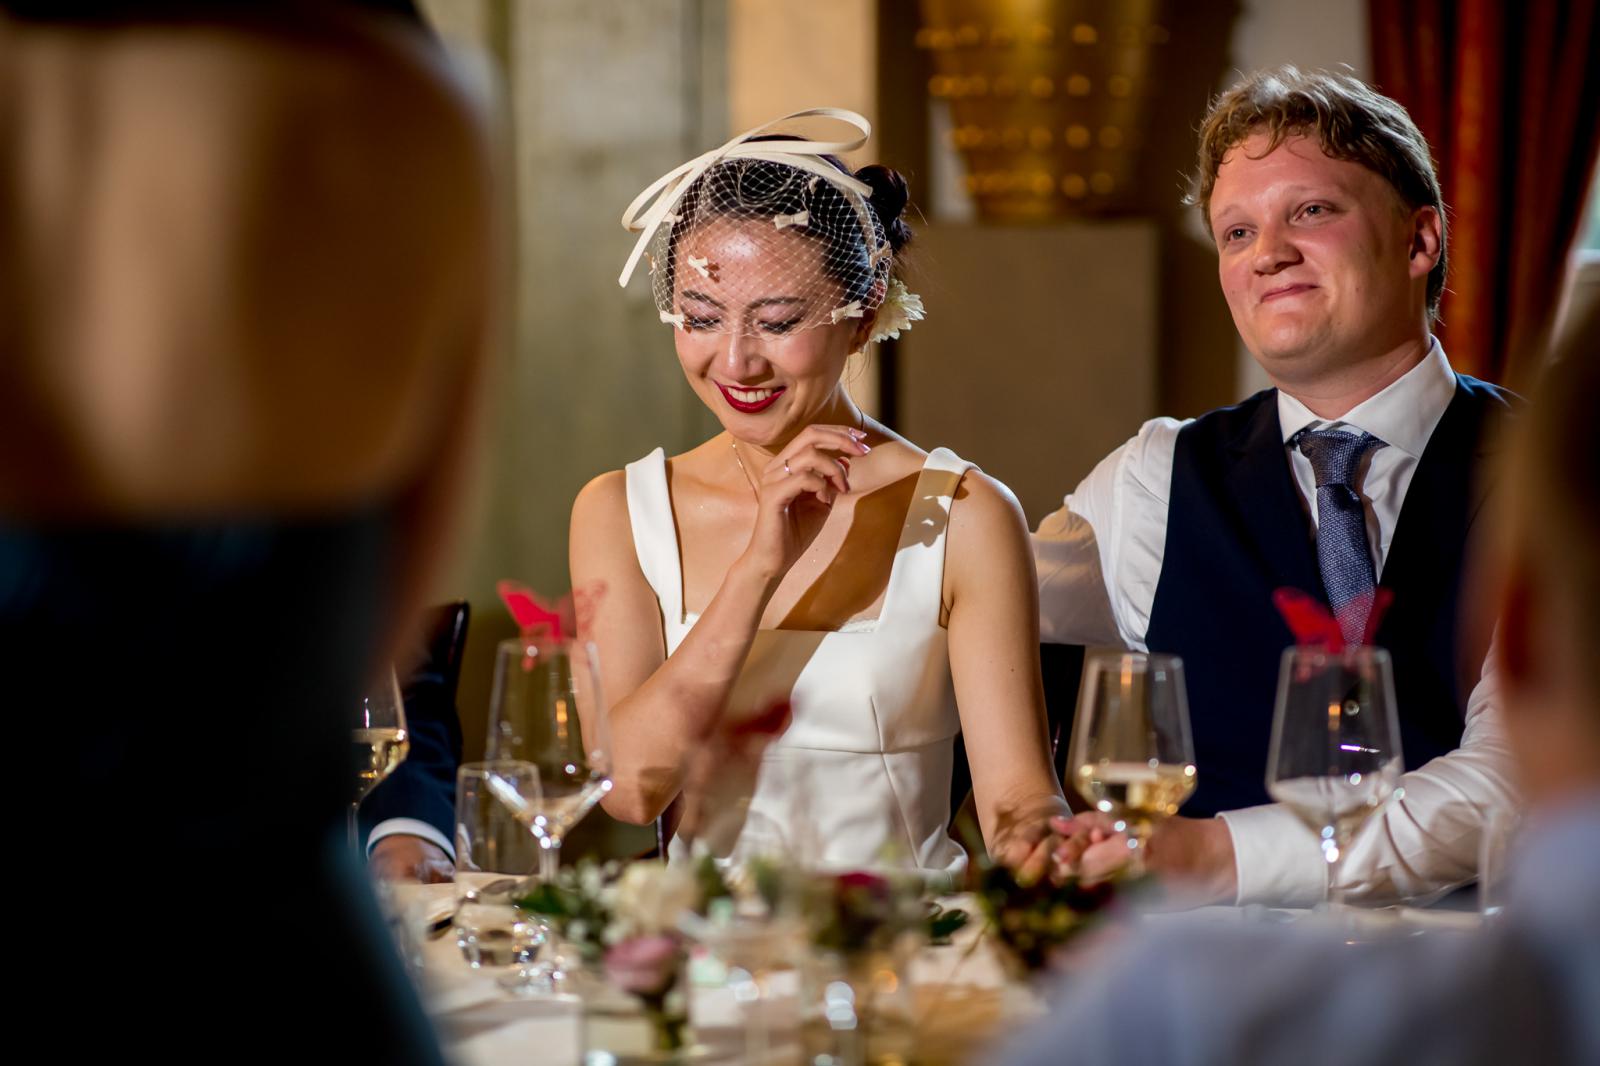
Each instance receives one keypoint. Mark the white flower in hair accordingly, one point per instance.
(899, 309)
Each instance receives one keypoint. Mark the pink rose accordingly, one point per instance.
(644, 965)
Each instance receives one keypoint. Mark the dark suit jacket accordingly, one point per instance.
(424, 786)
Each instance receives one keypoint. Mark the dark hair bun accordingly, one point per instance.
(889, 198)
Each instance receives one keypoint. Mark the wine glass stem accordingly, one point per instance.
(355, 827)
(555, 946)
(1138, 844)
(1335, 860)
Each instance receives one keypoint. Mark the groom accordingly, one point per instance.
(1362, 469)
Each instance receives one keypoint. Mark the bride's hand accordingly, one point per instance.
(1037, 848)
(795, 493)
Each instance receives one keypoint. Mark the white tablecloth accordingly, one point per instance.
(962, 992)
(963, 996)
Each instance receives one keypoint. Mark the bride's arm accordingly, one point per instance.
(993, 600)
(664, 705)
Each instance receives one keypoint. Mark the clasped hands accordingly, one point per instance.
(1193, 856)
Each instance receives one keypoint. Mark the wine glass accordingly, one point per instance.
(1335, 754)
(381, 743)
(495, 856)
(1131, 750)
(1496, 854)
(546, 709)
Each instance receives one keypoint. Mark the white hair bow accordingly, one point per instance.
(668, 189)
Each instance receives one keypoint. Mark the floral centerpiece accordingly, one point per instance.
(862, 928)
(1035, 921)
(858, 911)
(624, 920)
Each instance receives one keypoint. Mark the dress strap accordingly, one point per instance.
(655, 535)
(917, 580)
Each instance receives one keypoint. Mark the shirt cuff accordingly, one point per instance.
(409, 827)
(1276, 857)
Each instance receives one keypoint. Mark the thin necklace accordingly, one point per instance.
(752, 481)
(734, 444)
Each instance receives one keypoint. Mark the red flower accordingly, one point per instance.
(874, 883)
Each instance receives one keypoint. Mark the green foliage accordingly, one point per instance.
(944, 924)
(1035, 921)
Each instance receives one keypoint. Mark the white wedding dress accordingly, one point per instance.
(862, 776)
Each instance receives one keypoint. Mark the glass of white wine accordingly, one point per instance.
(380, 739)
(546, 709)
(1131, 753)
(1335, 754)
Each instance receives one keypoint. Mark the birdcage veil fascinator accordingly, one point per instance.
(768, 234)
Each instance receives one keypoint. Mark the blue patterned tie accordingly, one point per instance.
(1342, 552)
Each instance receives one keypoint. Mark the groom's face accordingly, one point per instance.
(1317, 258)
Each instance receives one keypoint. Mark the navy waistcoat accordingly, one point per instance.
(1237, 530)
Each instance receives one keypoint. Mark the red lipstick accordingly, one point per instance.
(750, 407)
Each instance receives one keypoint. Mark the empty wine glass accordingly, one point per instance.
(546, 709)
(1496, 854)
(380, 739)
(1131, 752)
(1335, 754)
(495, 856)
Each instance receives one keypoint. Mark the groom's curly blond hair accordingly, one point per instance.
(1351, 121)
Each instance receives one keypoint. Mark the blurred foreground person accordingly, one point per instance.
(244, 259)
(1523, 990)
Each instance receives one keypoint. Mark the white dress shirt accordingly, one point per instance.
(1099, 560)
(413, 827)
(1198, 991)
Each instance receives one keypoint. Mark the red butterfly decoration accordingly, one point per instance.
(572, 615)
(1314, 626)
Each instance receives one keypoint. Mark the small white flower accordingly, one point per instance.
(849, 310)
(899, 309)
(651, 895)
(701, 265)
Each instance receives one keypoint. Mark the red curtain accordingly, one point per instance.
(1508, 96)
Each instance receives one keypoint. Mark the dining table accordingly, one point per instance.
(966, 997)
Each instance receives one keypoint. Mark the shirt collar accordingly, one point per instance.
(1403, 415)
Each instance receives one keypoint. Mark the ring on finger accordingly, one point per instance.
(786, 469)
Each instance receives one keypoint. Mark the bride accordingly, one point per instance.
(808, 553)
